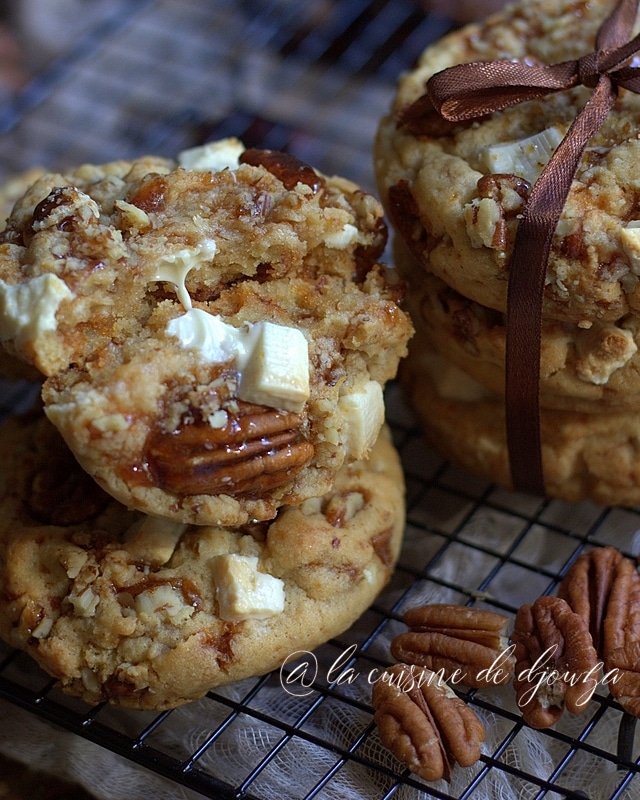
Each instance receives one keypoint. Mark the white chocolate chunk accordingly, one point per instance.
(342, 238)
(273, 360)
(601, 351)
(243, 592)
(214, 339)
(525, 158)
(630, 239)
(153, 540)
(174, 267)
(363, 415)
(213, 156)
(27, 310)
(277, 371)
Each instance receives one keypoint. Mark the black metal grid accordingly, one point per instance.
(312, 78)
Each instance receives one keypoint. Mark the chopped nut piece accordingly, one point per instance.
(556, 662)
(601, 351)
(469, 645)
(424, 723)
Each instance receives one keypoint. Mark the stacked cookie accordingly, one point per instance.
(209, 485)
(455, 192)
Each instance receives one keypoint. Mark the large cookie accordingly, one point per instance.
(585, 456)
(595, 368)
(215, 332)
(454, 191)
(150, 613)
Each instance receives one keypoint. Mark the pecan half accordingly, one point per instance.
(258, 450)
(621, 638)
(587, 587)
(424, 723)
(287, 168)
(468, 645)
(556, 662)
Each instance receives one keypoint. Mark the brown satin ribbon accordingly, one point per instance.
(473, 90)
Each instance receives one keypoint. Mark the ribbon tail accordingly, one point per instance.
(617, 28)
(526, 286)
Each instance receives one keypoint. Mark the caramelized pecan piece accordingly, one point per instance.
(467, 645)
(587, 587)
(621, 638)
(508, 194)
(424, 723)
(287, 168)
(556, 662)
(258, 450)
(405, 216)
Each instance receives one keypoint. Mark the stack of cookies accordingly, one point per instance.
(208, 485)
(455, 192)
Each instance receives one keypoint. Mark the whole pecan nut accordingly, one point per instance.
(424, 723)
(556, 662)
(466, 645)
(621, 638)
(587, 586)
(258, 450)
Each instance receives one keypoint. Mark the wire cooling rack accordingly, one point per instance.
(312, 78)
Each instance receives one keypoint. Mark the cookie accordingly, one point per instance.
(11, 190)
(595, 368)
(455, 190)
(585, 456)
(215, 332)
(150, 613)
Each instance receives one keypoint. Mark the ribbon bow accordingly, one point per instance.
(475, 89)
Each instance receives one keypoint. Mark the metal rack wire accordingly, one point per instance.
(313, 78)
